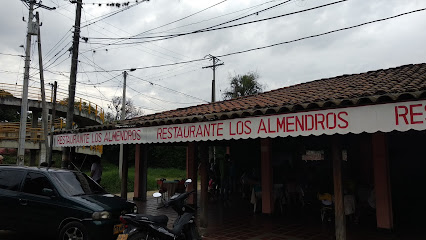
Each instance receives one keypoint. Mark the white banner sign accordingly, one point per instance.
(385, 118)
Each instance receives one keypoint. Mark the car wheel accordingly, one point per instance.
(73, 231)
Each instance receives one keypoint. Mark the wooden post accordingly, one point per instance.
(384, 214)
(204, 158)
(125, 171)
(191, 170)
(340, 221)
(141, 160)
(267, 176)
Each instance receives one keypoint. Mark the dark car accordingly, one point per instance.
(58, 202)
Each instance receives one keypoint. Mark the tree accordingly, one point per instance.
(243, 85)
(9, 114)
(114, 110)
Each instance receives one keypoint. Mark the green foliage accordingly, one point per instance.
(9, 159)
(114, 110)
(9, 114)
(159, 156)
(243, 85)
(167, 157)
(110, 177)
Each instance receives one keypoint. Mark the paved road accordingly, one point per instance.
(9, 235)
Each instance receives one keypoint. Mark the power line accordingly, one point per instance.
(191, 23)
(93, 49)
(58, 43)
(155, 66)
(146, 96)
(281, 43)
(158, 99)
(177, 20)
(249, 8)
(132, 88)
(325, 33)
(112, 14)
(13, 55)
(172, 90)
(94, 84)
(165, 37)
(183, 18)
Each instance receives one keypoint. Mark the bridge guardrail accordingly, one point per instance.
(10, 131)
(34, 93)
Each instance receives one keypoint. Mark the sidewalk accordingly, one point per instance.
(235, 219)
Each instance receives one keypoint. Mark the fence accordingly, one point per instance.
(13, 90)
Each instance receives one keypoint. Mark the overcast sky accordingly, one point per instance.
(381, 45)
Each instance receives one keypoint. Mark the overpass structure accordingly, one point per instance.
(86, 113)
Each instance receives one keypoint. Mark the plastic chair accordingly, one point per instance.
(180, 188)
(161, 188)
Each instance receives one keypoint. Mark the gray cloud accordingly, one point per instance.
(381, 45)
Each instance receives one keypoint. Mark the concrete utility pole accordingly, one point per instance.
(66, 158)
(214, 66)
(52, 128)
(124, 148)
(212, 150)
(123, 116)
(24, 105)
(43, 95)
(32, 29)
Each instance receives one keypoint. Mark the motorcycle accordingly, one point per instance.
(149, 227)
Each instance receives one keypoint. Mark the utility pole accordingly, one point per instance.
(214, 66)
(31, 30)
(66, 158)
(212, 150)
(52, 128)
(43, 95)
(123, 116)
(123, 148)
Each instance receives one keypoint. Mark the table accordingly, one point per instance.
(256, 195)
(171, 187)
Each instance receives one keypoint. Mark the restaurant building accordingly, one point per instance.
(359, 134)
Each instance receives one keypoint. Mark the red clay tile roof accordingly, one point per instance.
(386, 85)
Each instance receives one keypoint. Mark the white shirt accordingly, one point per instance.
(97, 171)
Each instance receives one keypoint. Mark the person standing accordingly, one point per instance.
(96, 171)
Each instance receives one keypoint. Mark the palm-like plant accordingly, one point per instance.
(243, 85)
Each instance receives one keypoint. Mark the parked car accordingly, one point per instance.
(60, 203)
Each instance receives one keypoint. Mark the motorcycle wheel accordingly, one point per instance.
(138, 236)
(193, 233)
(73, 230)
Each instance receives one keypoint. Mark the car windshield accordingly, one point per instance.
(77, 184)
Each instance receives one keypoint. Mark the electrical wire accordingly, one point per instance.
(103, 17)
(13, 55)
(94, 84)
(206, 20)
(177, 20)
(146, 97)
(180, 19)
(281, 43)
(172, 90)
(165, 37)
(325, 33)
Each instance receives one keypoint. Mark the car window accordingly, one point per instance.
(35, 182)
(11, 179)
(77, 183)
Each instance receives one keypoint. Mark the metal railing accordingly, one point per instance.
(34, 93)
(10, 131)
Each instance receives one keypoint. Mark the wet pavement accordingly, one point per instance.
(232, 220)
